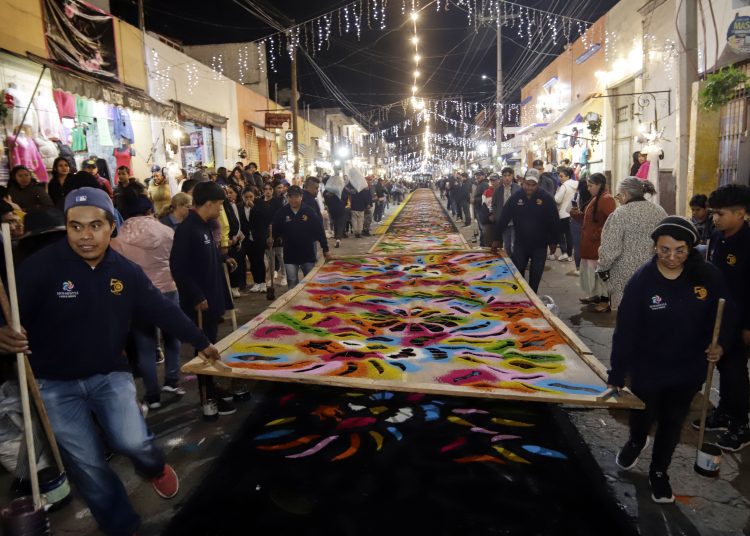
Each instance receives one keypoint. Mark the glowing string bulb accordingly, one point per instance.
(415, 39)
(414, 15)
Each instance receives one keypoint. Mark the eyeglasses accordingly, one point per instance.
(664, 251)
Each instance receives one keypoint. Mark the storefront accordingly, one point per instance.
(77, 116)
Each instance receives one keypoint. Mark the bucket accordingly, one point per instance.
(53, 486)
(20, 518)
(708, 460)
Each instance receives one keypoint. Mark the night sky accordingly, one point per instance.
(375, 72)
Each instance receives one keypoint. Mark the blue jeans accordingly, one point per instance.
(538, 257)
(292, 272)
(111, 397)
(575, 231)
(145, 344)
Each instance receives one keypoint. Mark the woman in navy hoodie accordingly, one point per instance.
(662, 342)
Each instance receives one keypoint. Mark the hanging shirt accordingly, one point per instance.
(101, 116)
(123, 128)
(66, 103)
(78, 136)
(84, 110)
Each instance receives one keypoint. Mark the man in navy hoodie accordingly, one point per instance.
(299, 227)
(729, 251)
(196, 265)
(534, 215)
(78, 298)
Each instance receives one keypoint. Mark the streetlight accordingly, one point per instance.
(342, 151)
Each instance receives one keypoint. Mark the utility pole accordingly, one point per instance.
(141, 17)
(499, 90)
(463, 137)
(687, 71)
(295, 111)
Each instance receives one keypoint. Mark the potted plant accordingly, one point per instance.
(718, 88)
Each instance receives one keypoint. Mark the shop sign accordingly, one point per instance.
(289, 137)
(738, 34)
(277, 120)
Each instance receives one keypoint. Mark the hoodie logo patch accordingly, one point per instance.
(115, 286)
(700, 292)
(731, 259)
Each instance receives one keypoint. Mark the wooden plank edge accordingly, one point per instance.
(623, 401)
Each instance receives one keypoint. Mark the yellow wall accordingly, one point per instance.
(21, 29)
(703, 155)
(130, 61)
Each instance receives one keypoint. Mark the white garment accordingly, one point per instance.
(20, 101)
(48, 150)
(564, 197)
(49, 119)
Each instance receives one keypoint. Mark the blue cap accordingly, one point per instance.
(90, 197)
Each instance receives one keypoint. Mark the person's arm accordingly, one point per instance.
(506, 215)
(611, 243)
(154, 308)
(627, 332)
(179, 261)
(44, 199)
(560, 194)
(319, 233)
(553, 222)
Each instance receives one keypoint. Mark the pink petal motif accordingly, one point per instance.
(317, 448)
(502, 437)
(483, 431)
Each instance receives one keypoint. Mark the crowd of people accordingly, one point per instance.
(112, 279)
(662, 275)
(150, 260)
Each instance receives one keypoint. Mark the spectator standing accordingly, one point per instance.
(700, 217)
(359, 203)
(143, 240)
(60, 173)
(499, 199)
(564, 199)
(177, 211)
(729, 251)
(90, 167)
(159, 192)
(596, 213)
(626, 244)
(26, 191)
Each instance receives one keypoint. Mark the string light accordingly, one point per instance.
(192, 77)
(161, 76)
(242, 58)
(217, 66)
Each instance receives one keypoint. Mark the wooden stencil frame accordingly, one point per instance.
(624, 400)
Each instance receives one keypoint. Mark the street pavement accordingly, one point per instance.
(704, 506)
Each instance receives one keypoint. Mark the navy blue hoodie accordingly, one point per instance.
(77, 318)
(664, 327)
(299, 232)
(536, 220)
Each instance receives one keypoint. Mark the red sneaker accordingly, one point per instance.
(167, 484)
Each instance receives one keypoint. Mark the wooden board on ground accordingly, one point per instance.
(456, 323)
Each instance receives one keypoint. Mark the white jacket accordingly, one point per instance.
(564, 197)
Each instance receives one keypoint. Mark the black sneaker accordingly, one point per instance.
(734, 439)
(716, 421)
(661, 491)
(224, 407)
(629, 453)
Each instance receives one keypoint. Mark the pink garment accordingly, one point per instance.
(25, 153)
(123, 158)
(66, 103)
(147, 242)
(643, 171)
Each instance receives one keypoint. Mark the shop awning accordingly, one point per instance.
(185, 112)
(115, 94)
(530, 128)
(574, 114)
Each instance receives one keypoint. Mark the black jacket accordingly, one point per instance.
(732, 257)
(299, 232)
(196, 266)
(361, 200)
(536, 221)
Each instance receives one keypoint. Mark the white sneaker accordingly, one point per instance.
(235, 293)
(563, 258)
(550, 257)
(262, 287)
(282, 282)
(255, 288)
